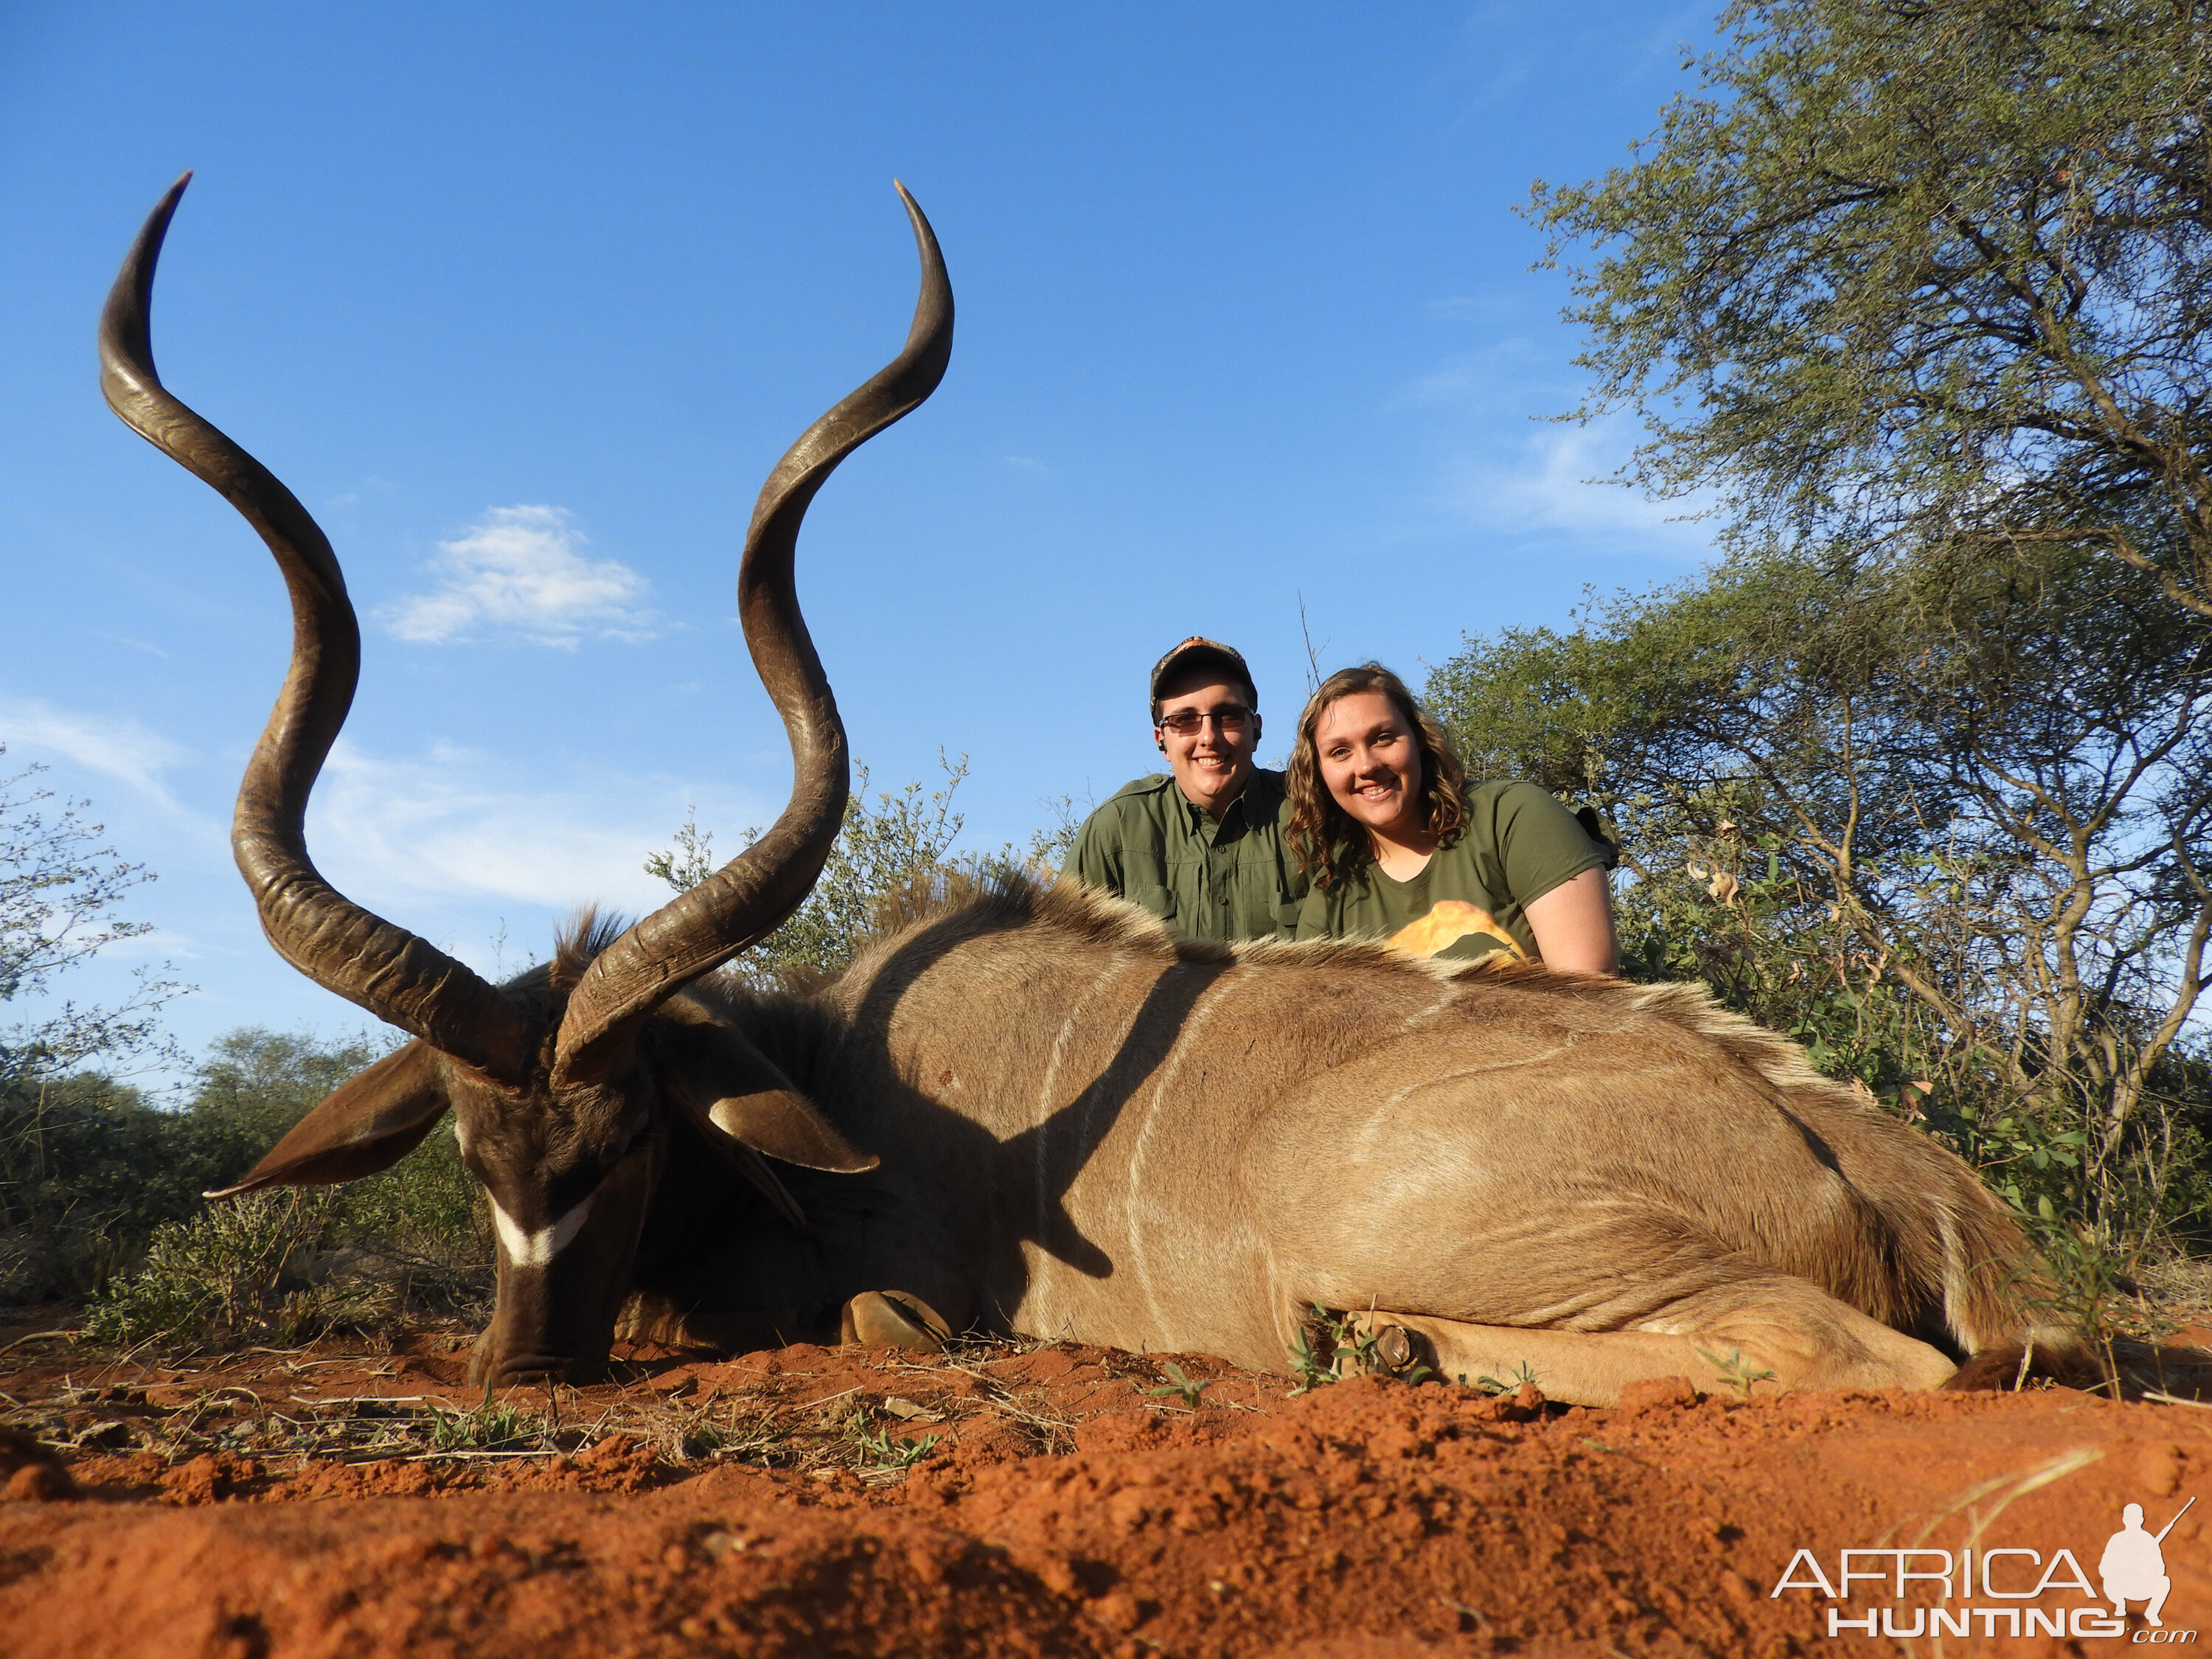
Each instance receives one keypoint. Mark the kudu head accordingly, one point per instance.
(567, 1083)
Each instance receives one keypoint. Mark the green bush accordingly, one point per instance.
(238, 1269)
(100, 1198)
(292, 1264)
(89, 1168)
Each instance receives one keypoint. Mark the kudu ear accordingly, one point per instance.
(368, 1124)
(717, 1072)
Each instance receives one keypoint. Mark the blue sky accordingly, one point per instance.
(523, 301)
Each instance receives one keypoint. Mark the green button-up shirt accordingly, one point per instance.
(1231, 878)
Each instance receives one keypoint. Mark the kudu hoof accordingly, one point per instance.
(892, 1319)
(1368, 1347)
(1394, 1348)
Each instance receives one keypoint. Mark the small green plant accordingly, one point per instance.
(1523, 1374)
(1307, 1361)
(1181, 1385)
(1735, 1371)
(2086, 1284)
(495, 1425)
(877, 1450)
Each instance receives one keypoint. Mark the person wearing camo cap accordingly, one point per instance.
(1200, 846)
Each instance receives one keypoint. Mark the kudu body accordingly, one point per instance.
(1090, 1129)
(1039, 1112)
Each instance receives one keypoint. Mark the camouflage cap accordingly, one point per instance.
(1199, 651)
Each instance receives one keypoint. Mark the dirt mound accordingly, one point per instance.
(1057, 1500)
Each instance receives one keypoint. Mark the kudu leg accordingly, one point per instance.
(1721, 1340)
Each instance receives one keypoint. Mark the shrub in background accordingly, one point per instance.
(889, 861)
(100, 1197)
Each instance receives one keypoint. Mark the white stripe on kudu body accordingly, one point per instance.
(538, 1249)
(1046, 1103)
(1140, 1207)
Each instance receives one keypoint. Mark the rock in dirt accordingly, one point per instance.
(34, 1470)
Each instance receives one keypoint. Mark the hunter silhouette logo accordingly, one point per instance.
(2133, 1566)
(1980, 1591)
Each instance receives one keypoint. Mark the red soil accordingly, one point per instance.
(1066, 1508)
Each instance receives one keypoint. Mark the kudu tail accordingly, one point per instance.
(1921, 1244)
(1998, 1305)
(1929, 1250)
(2017, 1328)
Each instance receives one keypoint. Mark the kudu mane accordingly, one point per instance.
(1015, 901)
(576, 946)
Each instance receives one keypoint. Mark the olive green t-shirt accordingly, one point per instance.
(1472, 898)
(1228, 879)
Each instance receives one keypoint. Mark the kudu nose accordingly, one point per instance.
(527, 1368)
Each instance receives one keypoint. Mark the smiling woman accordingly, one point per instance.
(1399, 848)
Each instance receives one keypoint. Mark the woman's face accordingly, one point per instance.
(1371, 764)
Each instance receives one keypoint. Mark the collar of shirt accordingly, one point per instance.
(1238, 815)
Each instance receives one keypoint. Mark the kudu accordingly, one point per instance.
(1085, 1127)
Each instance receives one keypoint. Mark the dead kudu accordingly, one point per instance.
(1038, 1112)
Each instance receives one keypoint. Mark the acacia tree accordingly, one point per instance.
(1928, 275)
(74, 1144)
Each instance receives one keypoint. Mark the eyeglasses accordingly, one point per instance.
(1185, 722)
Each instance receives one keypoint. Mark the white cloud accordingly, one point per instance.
(1559, 480)
(1507, 371)
(517, 571)
(120, 749)
(457, 825)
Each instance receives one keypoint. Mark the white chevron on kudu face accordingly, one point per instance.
(538, 1249)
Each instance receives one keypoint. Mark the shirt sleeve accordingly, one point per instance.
(1540, 844)
(1097, 860)
(1317, 916)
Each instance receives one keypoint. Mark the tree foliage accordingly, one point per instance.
(881, 850)
(1921, 274)
(59, 891)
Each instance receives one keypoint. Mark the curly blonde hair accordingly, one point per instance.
(1328, 843)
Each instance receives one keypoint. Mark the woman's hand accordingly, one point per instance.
(1573, 926)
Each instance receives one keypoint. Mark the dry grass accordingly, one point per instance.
(299, 1411)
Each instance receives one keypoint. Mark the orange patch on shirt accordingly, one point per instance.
(1446, 924)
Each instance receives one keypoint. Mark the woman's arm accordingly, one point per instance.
(1573, 926)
